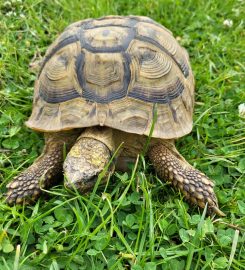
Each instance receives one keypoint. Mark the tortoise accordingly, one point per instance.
(109, 82)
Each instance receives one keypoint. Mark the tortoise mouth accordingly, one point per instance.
(82, 185)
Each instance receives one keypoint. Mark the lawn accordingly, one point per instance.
(135, 221)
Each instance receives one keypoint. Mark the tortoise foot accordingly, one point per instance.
(196, 187)
(44, 172)
(26, 187)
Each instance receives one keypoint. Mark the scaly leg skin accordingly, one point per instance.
(87, 159)
(44, 172)
(196, 186)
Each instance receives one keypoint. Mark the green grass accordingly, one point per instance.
(135, 222)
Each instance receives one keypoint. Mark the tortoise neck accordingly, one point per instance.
(102, 134)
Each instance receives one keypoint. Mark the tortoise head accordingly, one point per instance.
(85, 161)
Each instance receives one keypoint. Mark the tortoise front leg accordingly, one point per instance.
(44, 172)
(195, 186)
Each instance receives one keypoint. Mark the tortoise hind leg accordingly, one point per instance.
(43, 172)
(195, 186)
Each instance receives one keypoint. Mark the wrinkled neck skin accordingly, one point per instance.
(127, 145)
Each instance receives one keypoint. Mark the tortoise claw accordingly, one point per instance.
(217, 211)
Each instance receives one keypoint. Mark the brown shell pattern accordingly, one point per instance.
(117, 72)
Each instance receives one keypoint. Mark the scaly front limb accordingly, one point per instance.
(195, 186)
(44, 172)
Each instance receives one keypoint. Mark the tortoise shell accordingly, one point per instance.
(120, 72)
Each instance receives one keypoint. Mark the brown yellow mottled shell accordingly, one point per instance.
(117, 72)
